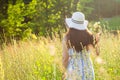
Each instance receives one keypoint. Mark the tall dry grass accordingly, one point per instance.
(41, 60)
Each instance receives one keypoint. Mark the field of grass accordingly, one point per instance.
(31, 60)
(111, 23)
(41, 60)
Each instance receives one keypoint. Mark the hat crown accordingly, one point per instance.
(78, 16)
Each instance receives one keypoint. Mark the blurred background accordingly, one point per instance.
(21, 19)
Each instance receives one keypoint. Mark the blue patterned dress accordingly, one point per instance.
(79, 66)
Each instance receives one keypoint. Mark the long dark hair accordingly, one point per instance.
(78, 39)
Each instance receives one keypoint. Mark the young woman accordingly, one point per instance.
(76, 48)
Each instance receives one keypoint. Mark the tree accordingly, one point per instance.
(15, 24)
(42, 17)
(51, 14)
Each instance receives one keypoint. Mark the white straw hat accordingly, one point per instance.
(77, 21)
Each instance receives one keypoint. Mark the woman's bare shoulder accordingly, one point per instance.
(89, 32)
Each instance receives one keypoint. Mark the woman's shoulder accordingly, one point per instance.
(89, 32)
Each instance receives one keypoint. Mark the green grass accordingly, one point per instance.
(41, 60)
(111, 23)
(114, 23)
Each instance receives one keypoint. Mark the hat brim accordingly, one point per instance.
(77, 26)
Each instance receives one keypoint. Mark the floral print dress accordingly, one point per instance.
(79, 66)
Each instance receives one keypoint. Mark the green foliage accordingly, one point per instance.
(85, 6)
(110, 23)
(22, 18)
(16, 25)
(51, 14)
(43, 17)
(114, 23)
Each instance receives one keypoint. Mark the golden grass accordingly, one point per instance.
(41, 60)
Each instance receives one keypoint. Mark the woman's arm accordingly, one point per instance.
(93, 44)
(97, 48)
(65, 55)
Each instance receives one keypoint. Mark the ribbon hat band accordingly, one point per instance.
(77, 22)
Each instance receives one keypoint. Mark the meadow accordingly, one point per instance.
(41, 59)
